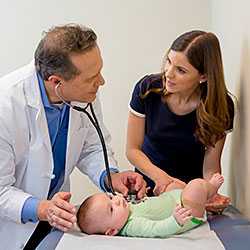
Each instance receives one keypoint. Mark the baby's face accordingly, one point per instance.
(113, 210)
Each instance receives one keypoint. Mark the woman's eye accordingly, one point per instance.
(181, 70)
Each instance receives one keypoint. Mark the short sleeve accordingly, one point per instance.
(137, 104)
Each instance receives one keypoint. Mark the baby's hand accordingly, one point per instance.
(182, 214)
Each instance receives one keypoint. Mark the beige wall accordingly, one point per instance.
(230, 20)
(133, 36)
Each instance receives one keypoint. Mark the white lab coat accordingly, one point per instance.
(26, 163)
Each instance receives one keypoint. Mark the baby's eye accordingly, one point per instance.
(110, 197)
(111, 209)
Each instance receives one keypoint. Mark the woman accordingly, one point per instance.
(179, 118)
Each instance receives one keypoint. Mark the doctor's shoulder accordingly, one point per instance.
(17, 77)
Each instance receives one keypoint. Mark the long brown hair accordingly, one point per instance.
(202, 50)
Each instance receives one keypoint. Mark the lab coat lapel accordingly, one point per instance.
(37, 112)
(77, 130)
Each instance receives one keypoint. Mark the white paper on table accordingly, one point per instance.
(200, 238)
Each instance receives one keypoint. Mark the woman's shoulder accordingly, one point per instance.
(149, 82)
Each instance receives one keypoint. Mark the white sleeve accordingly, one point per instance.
(11, 198)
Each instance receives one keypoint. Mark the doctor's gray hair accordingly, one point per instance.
(52, 56)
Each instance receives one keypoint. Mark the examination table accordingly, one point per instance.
(231, 228)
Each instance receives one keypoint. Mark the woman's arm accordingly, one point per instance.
(212, 164)
(212, 159)
(135, 137)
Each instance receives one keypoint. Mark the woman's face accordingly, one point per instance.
(181, 76)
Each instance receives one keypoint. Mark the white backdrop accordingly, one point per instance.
(230, 20)
(133, 35)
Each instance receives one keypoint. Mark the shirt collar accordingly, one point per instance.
(44, 96)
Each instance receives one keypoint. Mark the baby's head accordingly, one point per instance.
(103, 214)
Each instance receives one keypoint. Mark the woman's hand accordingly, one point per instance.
(176, 184)
(217, 203)
(161, 183)
(165, 183)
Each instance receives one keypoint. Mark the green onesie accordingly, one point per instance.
(153, 217)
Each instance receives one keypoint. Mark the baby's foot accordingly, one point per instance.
(216, 180)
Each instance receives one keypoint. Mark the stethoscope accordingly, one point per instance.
(95, 123)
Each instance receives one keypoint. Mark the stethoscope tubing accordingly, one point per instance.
(96, 125)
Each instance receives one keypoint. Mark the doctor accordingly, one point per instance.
(42, 139)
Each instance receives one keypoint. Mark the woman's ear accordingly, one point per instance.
(203, 78)
(111, 231)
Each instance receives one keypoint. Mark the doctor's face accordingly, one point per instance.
(84, 86)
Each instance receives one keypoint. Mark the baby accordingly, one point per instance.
(172, 212)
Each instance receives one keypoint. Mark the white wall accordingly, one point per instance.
(230, 20)
(133, 36)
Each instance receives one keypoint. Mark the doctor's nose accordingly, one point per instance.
(100, 81)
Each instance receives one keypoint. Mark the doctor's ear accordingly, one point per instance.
(111, 232)
(54, 79)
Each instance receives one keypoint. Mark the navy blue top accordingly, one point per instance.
(169, 140)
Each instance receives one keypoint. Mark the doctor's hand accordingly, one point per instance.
(129, 180)
(58, 211)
